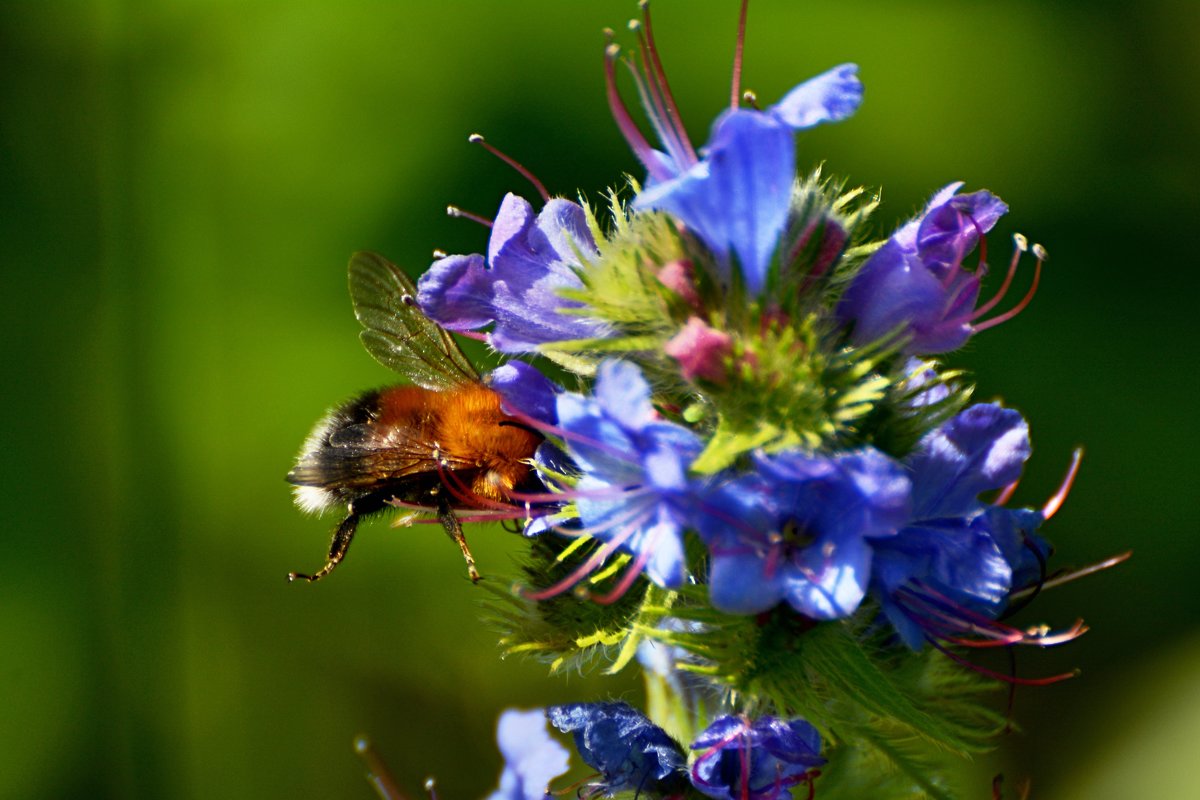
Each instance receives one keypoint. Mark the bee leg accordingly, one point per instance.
(453, 528)
(337, 550)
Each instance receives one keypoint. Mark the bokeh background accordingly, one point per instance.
(182, 183)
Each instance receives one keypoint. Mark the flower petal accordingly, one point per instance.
(456, 292)
(829, 97)
(736, 199)
(983, 448)
(833, 579)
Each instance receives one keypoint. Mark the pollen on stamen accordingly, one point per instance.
(438, 255)
(750, 98)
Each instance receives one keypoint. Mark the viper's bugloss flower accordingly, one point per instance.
(742, 760)
(801, 528)
(916, 283)
(531, 260)
(531, 757)
(952, 564)
(634, 493)
(630, 751)
(736, 195)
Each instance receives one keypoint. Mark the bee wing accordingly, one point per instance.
(397, 333)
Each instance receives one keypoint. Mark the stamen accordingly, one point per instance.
(660, 76)
(458, 213)
(1039, 253)
(1020, 246)
(651, 94)
(588, 566)
(431, 788)
(1055, 503)
(570, 436)
(750, 98)
(1006, 493)
(631, 575)
(1000, 676)
(637, 142)
(377, 772)
(476, 138)
(736, 90)
(1067, 577)
(438, 255)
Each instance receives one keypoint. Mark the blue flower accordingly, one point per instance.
(630, 751)
(801, 528)
(634, 494)
(531, 758)
(740, 760)
(915, 285)
(531, 260)
(736, 197)
(951, 567)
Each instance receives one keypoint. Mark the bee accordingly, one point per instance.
(443, 444)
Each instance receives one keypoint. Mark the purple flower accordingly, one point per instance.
(740, 760)
(531, 757)
(915, 285)
(951, 567)
(634, 494)
(801, 528)
(525, 391)
(531, 260)
(736, 197)
(630, 751)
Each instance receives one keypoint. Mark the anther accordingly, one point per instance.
(750, 98)
(476, 138)
(438, 255)
(458, 213)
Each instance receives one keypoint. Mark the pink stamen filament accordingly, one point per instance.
(1055, 503)
(1083, 572)
(1006, 493)
(637, 142)
(735, 93)
(573, 494)
(631, 574)
(1040, 255)
(589, 566)
(569, 436)
(458, 213)
(476, 335)
(1020, 246)
(1000, 676)
(651, 97)
(660, 76)
(476, 138)
(959, 619)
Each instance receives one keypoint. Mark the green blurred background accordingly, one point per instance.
(183, 182)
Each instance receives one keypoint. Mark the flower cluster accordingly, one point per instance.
(748, 454)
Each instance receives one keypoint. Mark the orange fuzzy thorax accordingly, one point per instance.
(462, 425)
